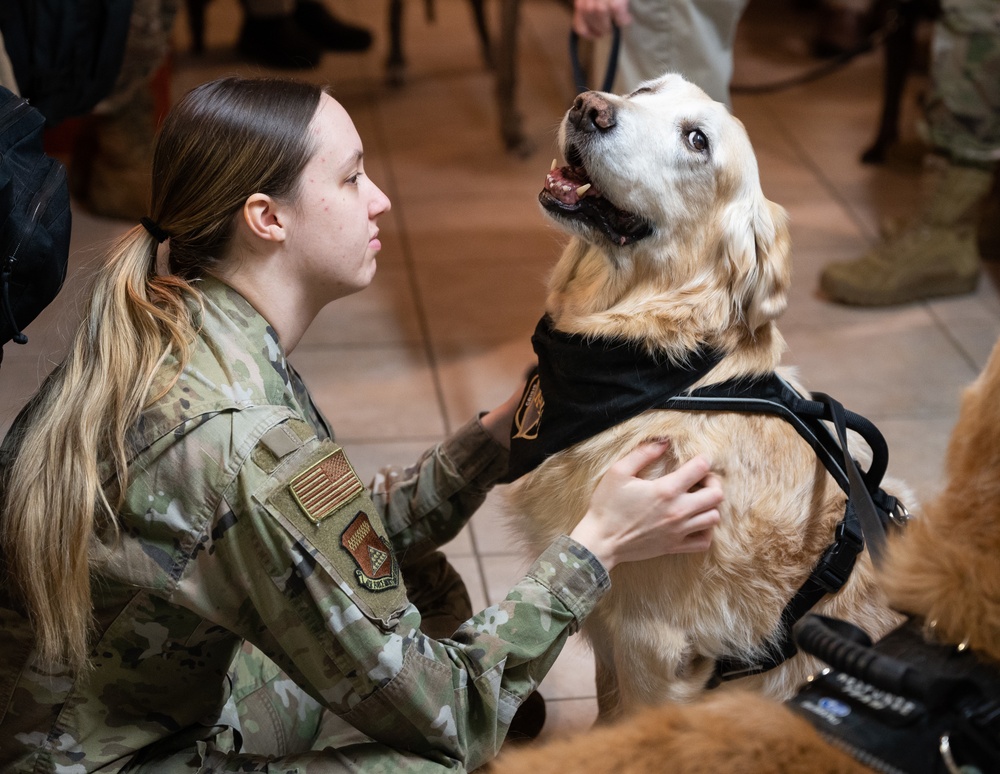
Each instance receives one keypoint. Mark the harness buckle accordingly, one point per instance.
(899, 515)
(834, 567)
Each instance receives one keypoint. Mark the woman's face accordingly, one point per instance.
(334, 234)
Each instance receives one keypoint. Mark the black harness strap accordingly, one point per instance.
(866, 515)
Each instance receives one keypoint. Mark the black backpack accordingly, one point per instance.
(34, 219)
(66, 54)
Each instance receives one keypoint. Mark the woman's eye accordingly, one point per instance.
(697, 140)
(353, 179)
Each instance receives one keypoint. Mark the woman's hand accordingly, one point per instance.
(498, 421)
(630, 518)
(593, 18)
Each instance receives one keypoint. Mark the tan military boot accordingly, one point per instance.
(935, 255)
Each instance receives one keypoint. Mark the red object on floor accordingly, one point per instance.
(61, 139)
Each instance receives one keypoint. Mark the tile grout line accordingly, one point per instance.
(421, 315)
(807, 160)
(845, 205)
(407, 251)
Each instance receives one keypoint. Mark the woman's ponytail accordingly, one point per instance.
(55, 505)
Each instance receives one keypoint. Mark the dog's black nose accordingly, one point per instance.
(592, 113)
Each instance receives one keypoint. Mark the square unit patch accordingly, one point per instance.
(326, 486)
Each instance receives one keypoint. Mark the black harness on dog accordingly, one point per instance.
(867, 513)
(583, 386)
(907, 705)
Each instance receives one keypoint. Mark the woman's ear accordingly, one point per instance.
(265, 218)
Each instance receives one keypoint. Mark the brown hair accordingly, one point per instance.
(224, 141)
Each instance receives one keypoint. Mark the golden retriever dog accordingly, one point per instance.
(942, 570)
(675, 249)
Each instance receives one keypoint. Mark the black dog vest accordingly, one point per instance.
(583, 386)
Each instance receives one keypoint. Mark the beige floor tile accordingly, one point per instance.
(808, 308)
(973, 321)
(468, 568)
(893, 367)
(477, 377)
(472, 229)
(494, 531)
(500, 574)
(49, 334)
(572, 676)
(370, 393)
(383, 313)
(567, 716)
(483, 302)
(917, 452)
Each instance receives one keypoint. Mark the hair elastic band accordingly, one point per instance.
(151, 226)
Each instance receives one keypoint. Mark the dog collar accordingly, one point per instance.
(584, 385)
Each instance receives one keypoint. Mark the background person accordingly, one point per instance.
(937, 252)
(690, 37)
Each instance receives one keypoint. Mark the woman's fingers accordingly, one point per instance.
(640, 457)
(693, 472)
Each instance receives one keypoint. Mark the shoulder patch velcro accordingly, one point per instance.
(281, 440)
(326, 486)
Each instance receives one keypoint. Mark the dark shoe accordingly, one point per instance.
(277, 41)
(528, 720)
(840, 31)
(327, 30)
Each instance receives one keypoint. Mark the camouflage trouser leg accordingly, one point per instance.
(962, 109)
(283, 729)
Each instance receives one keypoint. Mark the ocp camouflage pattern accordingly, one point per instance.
(962, 108)
(233, 632)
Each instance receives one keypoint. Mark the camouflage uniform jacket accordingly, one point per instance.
(244, 520)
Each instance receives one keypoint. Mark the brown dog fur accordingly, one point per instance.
(943, 568)
(716, 271)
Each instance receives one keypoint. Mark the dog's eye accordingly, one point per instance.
(697, 140)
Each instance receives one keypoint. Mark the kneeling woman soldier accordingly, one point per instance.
(196, 580)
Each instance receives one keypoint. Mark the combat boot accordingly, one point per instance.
(936, 254)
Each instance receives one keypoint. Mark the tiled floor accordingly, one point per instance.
(444, 330)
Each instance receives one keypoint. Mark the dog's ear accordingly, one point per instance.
(756, 253)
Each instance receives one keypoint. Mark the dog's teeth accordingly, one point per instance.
(554, 165)
(582, 189)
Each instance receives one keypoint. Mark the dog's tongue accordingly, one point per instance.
(569, 184)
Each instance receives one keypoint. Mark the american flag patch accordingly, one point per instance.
(326, 486)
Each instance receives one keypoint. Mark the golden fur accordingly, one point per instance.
(734, 732)
(943, 568)
(715, 270)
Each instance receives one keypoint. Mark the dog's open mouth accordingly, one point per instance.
(569, 193)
